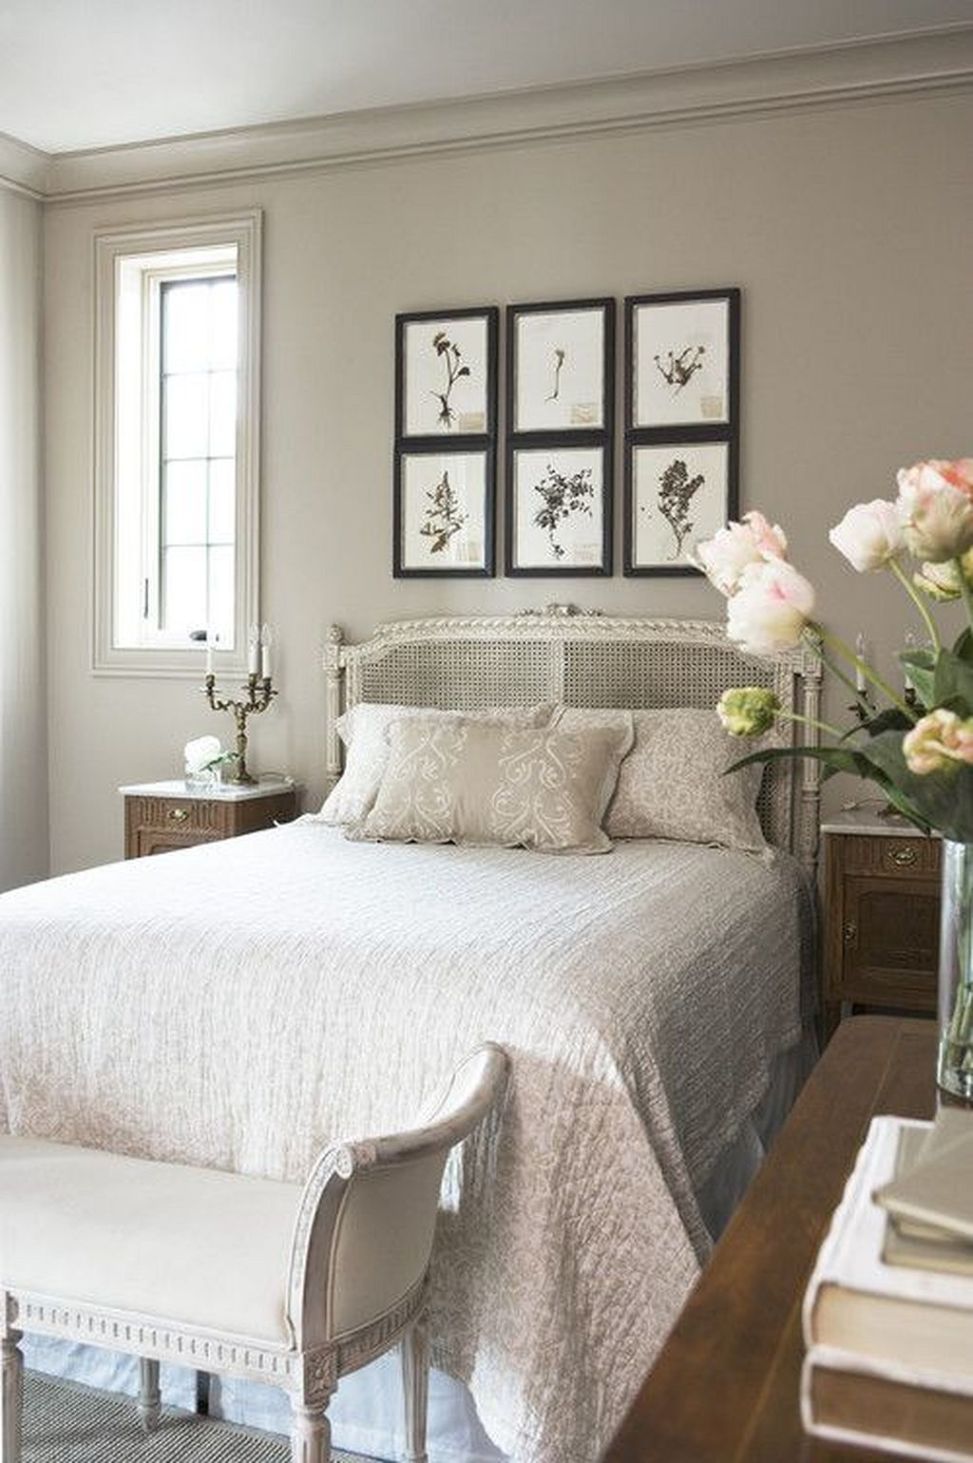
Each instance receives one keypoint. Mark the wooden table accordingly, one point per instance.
(725, 1386)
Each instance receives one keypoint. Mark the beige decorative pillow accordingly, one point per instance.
(364, 731)
(673, 784)
(463, 781)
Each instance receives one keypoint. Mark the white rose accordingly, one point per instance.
(771, 609)
(935, 504)
(731, 550)
(201, 752)
(870, 535)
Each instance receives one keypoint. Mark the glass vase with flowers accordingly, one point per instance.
(917, 749)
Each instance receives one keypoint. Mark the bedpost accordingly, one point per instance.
(809, 813)
(334, 672)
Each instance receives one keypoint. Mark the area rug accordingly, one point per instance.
(67, 1423)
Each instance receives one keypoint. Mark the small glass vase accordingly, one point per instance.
(955, 1072)
(206, 778)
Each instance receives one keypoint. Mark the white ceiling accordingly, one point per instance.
(91, 73)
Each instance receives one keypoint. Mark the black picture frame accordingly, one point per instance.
(542, 443)
(450, 448)
(605, 306)
(675, 434)
(635, 442)
(676, 426)
(490, 315)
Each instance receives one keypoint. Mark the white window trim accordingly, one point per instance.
(244, 230)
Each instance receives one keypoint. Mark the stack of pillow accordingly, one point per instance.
(557, 779)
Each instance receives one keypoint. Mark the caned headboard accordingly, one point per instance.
(582, 659)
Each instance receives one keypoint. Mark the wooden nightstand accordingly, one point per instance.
(881, 942)
(161, 816)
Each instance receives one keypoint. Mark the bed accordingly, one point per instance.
(232, 1006)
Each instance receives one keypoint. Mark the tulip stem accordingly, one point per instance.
(846, 651)
(836, 670)
(917, 599)
(823, 726)
(965, 589)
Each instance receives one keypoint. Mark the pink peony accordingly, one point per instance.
(870, 535)
(935, 504)
(771, 608)
(725, 556)
(938, 741)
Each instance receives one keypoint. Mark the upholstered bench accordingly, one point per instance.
(288, 1285)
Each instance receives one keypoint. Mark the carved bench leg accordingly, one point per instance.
(310, 1433)
(150, 1398)
(11, 1397)
(415, 1385)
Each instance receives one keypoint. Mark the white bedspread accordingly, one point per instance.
(239, 1005)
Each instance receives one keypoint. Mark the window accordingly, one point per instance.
(176, 447)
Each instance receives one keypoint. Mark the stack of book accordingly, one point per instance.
(888, 1312)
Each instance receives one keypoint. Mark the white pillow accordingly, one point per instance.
(364, 731)
(673, 783)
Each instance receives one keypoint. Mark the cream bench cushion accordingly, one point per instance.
(193, 1245)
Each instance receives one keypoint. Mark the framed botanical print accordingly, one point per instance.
(682, 360)
(558, 508)
(561, 366)
(446, 374)
(676, 494)
(443, 512)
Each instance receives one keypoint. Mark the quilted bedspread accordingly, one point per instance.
(241, 1004)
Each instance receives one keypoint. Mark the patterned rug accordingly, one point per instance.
(67, 1423)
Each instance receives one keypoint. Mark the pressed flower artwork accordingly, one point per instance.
(445, 371)
(443, 513)
(678, 496)
(558, 519)
(682, 359)
(560, 360)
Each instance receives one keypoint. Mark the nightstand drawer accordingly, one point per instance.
(158, 822)
(178, 815)
(895, 855)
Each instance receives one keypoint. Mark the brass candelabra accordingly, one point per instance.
(260, 693)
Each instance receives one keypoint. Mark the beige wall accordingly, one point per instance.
(848, 229)
(23, 751)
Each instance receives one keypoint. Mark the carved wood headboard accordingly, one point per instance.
(582, 659)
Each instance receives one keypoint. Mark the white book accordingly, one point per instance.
(892, 1315)
(908, 1413)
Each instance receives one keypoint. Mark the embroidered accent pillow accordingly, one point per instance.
(364, 731)
(673, 784)
(462, 781)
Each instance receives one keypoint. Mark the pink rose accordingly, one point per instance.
(938, 741)
(935, 504)
(771, 608)
(725, 556)
(870, 535)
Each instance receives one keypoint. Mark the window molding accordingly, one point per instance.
(244, 230)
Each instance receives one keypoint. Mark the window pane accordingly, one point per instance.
(222, 501)
(184, 590)
(186, 326)
(186, 408)
(223, 324)
(221, 593)
(184, 503)
(222, 426)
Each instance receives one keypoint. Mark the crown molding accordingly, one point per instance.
(23, 169)
(936, 61)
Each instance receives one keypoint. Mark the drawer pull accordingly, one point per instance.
(178, 815)
(905, 857)
(850, 932)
